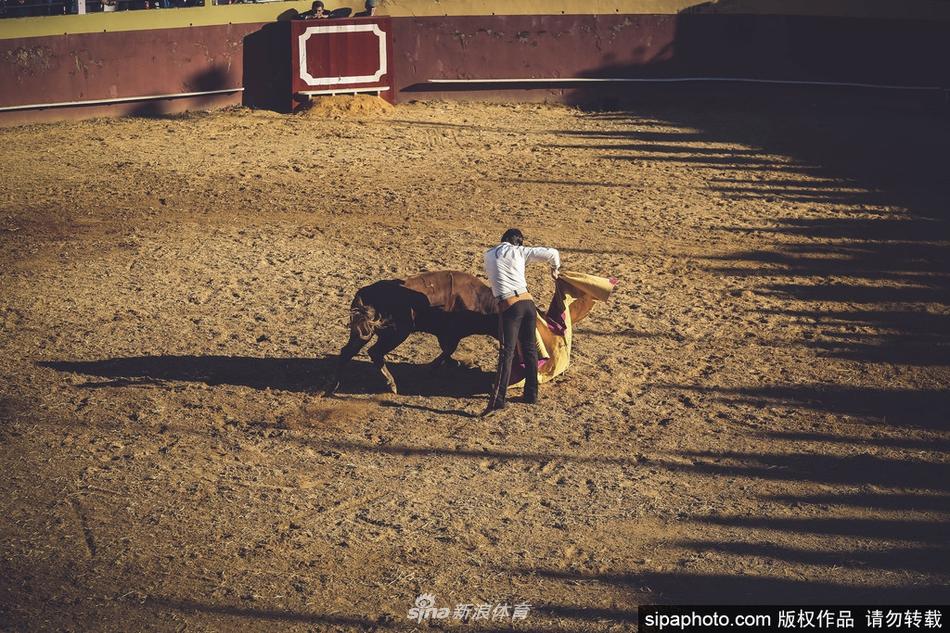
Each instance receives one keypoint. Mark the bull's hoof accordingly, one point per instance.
(331, 390)
(388, 377)
(439, 363)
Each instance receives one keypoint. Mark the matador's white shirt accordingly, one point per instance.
(504, 265)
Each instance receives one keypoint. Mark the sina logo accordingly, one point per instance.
(425, 609)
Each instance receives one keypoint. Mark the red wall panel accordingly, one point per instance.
(121, 64)
(336, 55)
(810, 48)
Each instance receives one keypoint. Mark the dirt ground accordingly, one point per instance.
(760, 413)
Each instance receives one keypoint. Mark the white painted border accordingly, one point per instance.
(647, 80)
(310, 80)
(343, 91)
(66, 104)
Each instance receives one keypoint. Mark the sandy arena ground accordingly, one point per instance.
(760, 413)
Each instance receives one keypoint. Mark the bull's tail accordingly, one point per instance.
(365, 320)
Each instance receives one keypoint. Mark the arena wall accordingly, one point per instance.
(774, 47)
(211, 56)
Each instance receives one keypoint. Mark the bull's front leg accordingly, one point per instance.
(386, 342)
(390, 381)
(449, 343)
(351, 349)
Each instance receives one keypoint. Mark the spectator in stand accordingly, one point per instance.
(370, 9)
(18, 9)
(316, 12)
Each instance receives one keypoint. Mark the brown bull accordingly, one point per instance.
(449, 304)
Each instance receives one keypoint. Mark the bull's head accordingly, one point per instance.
(365, 320)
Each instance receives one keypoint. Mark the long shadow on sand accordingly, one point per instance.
(265, 614)
(285, 374)
(698, 588)
(882, 408)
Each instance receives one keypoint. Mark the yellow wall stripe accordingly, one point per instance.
(143, 19)
(266, 12)
(902, 9)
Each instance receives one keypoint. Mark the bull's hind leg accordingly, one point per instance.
(448, 344)
(351, 349)
(387, 341)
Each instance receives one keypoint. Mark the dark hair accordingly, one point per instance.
(513, 236)
(317, 3)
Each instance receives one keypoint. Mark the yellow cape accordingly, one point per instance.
(574, 297)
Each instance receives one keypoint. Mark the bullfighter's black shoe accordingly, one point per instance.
(492, 408)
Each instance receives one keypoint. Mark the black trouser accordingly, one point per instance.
(516, 325)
